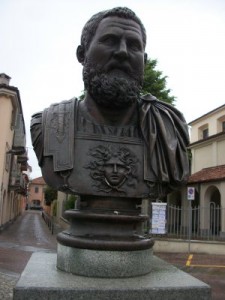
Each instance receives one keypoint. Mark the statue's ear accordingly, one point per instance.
(145, 58)
(80, 54)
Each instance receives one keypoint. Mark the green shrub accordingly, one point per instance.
(70, 202)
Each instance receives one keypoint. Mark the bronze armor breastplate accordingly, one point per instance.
(107, 161)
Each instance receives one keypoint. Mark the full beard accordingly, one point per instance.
(114, 90)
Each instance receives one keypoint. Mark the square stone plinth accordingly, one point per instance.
(42, 280)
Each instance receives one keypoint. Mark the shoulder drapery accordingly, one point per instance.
(52, 133)
(166, 139)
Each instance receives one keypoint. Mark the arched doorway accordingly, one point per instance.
(213, 201)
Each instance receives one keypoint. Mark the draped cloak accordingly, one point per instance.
(163, 129)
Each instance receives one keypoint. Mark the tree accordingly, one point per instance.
(155, 83)
(70, 202)
(82, 96)
(50, 195)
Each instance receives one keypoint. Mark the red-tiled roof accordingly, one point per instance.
(208, 174)
(38, 180)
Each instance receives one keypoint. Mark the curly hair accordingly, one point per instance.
(91, 26)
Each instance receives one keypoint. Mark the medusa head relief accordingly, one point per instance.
(112, 167)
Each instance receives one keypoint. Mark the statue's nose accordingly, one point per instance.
(115, 168)
(121, 51)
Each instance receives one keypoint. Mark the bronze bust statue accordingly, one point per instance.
(115, 147)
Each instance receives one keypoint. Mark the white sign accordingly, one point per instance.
(191, 193)
(158, 221)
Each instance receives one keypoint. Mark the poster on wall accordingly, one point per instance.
(158, 222)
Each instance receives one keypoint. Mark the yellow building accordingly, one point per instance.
(13, 153)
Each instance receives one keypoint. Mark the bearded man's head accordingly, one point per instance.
(113, 82)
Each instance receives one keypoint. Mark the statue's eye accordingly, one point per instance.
(108, 40)
(134, 45)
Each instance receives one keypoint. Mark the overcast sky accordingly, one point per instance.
(38, 40)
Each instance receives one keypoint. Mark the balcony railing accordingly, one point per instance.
(18, 183)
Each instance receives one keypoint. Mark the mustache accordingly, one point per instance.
(116, 66)
(110, 69)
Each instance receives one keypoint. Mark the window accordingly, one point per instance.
(205, 133)
(223, 126)
(7, 161)
(7, 158)
(36, 189)
(13, 118)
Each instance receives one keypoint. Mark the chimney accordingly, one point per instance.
(4, 79)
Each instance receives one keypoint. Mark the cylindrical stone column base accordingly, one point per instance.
(105, 264)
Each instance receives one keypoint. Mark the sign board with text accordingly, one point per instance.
(158, 222)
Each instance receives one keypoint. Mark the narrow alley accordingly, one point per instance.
(26, 235)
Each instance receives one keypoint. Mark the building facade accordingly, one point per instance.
(208, 168)
(207, 140)
(36, 196)
(207, 179)
(13, 153)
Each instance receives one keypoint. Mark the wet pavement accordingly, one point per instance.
(29, 234)
(207, 268)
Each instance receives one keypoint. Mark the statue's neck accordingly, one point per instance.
(109, 116)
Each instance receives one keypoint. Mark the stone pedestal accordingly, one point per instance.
(104, 264)
(42, 280)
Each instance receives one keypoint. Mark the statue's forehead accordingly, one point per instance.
(118, 23)
(114, 160)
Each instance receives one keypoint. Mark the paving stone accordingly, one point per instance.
(7, 283)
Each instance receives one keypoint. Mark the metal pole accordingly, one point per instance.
(190, 228)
